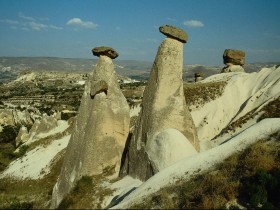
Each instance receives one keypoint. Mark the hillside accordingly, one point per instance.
(237, 116)
(11, 67)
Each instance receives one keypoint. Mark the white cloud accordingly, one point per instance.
(193, 23)
(172, 19)
(29, 23)
(80, 23)
(37, 26)
(55, 27)
(8, 21)
(25, 17)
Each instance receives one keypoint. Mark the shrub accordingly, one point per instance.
(22, 150)
(263, 189)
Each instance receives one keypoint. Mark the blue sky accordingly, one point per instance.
(71, 28)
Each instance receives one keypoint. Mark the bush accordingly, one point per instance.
(263, 189)
(22, 150)
(9, 134)
(16, 204)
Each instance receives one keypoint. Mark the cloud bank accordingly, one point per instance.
(27, 23)
(80, 23)
(193, 23)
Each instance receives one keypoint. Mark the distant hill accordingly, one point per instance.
(10, 67)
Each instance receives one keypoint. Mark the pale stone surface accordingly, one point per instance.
(232, 68)
(168, 147)
(22, 136)
(163, 107)
(99, 133)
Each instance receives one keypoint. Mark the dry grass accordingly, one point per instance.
(89, 192)
(197, 94)
(36, 192)
(271, 110)
(214, 189)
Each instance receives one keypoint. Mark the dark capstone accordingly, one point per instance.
(236, 57)
(103, 50)
(174, 32)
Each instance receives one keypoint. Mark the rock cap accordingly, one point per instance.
(104, 50)
(174, 32)
(235, 57)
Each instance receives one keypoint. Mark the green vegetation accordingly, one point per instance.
(197, 94)
(251, 177)
(9, 134)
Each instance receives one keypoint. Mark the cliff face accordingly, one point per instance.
(99, 133)
(163, 107)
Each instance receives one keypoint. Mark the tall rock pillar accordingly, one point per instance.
(101, 128)
(163, 107)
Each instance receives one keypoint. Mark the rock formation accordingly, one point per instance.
(22, 136)
(234, 61)
(198, 76)
(163, 107)
(101, 128)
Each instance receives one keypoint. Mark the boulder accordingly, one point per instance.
(103, 50)
(174, 32)
(99, 133)
(235, 57)
(163, 107)
(168, 147)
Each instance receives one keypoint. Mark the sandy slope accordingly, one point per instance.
(203, 161)
(36, 163)
(243, 93)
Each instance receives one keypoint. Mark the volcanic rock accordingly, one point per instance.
(235, 57)
(232, 68)
(100, 130)
(174, 32)
(163, 107)
(103, 50)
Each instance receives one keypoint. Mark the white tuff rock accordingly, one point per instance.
(99, 133)
(163, 107)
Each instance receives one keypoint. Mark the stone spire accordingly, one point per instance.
(100, 130)
(163, 108)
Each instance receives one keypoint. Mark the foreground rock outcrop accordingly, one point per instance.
(163, 107)
(234, 60)
(100, 131)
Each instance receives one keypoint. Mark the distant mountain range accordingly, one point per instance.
(12, 66)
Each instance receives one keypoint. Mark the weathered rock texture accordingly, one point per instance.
(22, 136)
(174, 32)
(163, 107)
(232, 68)
(234, 61)
(103, 50)
(235, 57)
(99, 133)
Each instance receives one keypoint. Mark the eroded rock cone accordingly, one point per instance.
(99, 133)
(163, 107)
